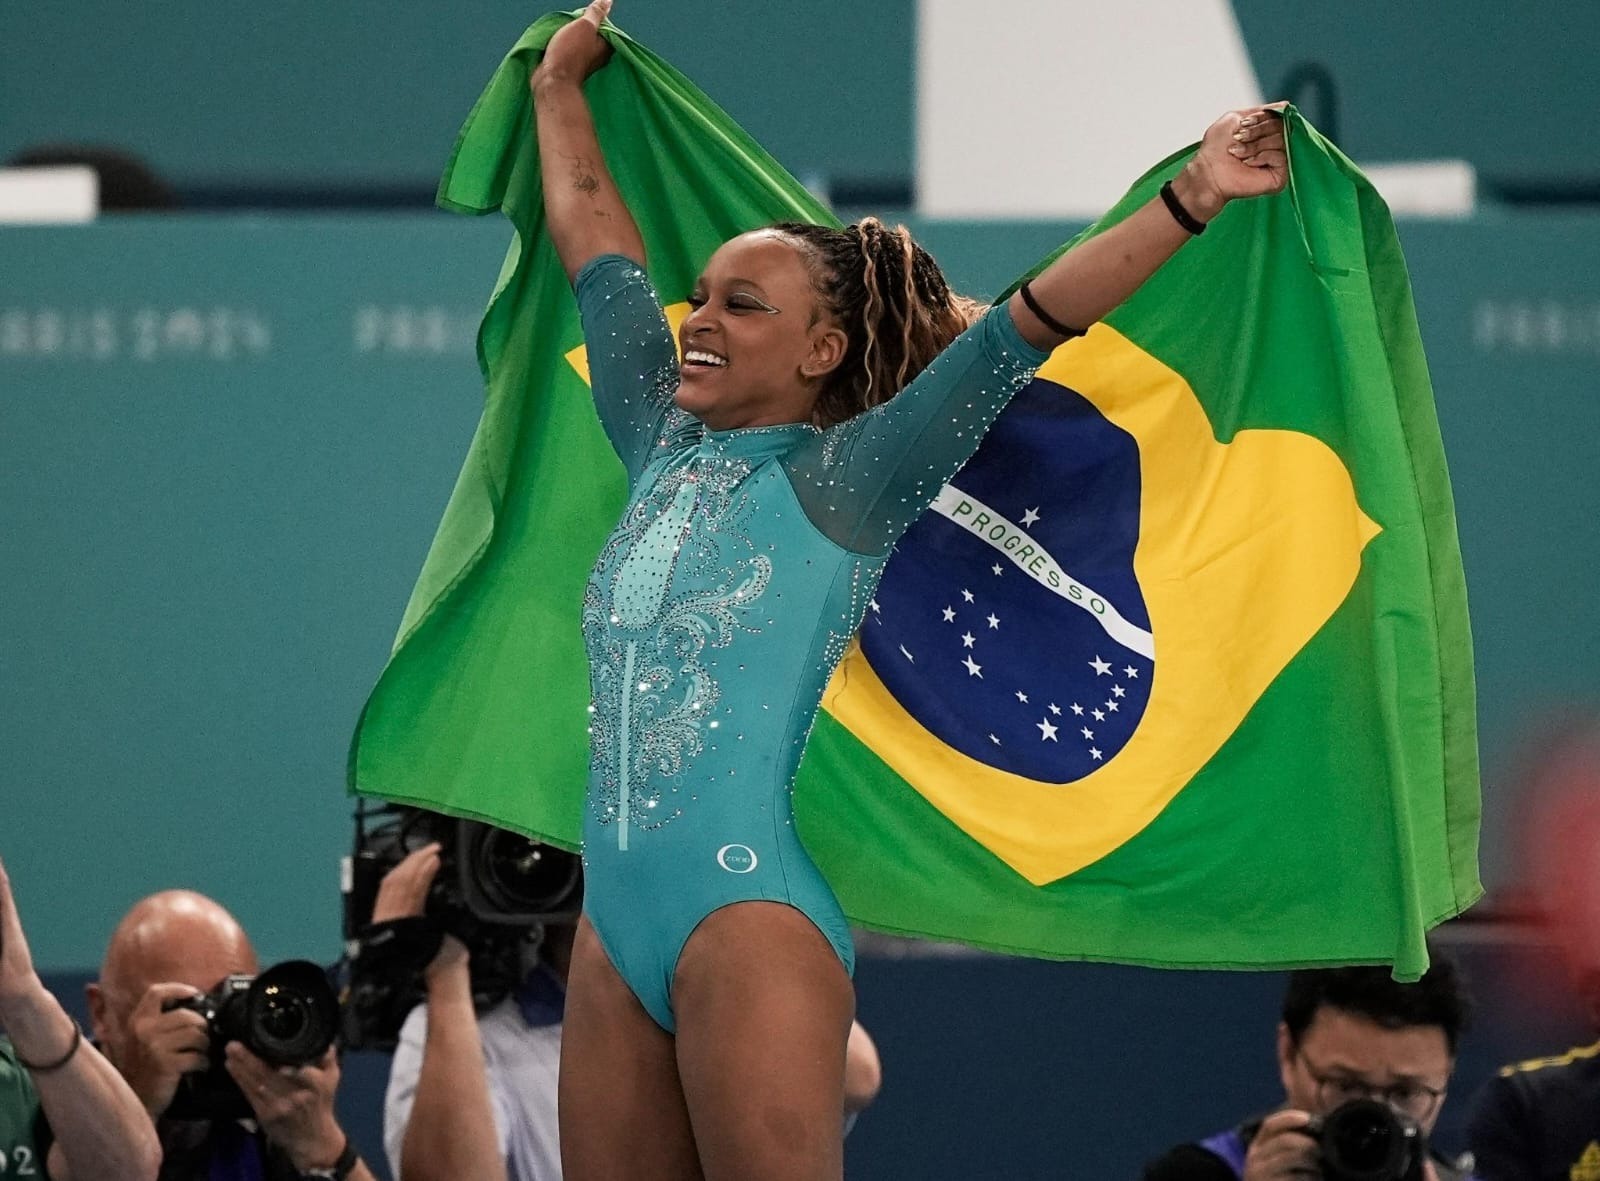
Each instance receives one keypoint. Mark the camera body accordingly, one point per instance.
(495, 891)
(286, 1016)
(1364, 1140)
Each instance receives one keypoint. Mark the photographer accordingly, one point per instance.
(475, 1096)
(1347, 1034)
(64, 1111)
(168, 950)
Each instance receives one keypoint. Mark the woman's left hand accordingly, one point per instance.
(1241, 155)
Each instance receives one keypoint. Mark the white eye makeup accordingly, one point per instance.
(743, 301)
(738, 301)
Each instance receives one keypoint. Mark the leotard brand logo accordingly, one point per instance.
(737, 858)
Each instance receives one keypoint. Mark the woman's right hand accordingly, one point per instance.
(577, 50)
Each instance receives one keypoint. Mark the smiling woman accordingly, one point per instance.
(830, 384)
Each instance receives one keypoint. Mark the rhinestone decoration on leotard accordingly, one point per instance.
(679, 575)
(713, 521)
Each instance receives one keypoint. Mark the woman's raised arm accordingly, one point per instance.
(584, 210)
(1241, 155)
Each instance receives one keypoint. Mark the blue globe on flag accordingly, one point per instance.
(1009, 622)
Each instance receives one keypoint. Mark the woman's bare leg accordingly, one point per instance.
(622, 1112)
(763, 1009)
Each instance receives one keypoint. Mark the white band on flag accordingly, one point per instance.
(1035, 561)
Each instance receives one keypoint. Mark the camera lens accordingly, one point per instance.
(521, 875)
(291, 1014)
(1365, 1141)
(283, 1016)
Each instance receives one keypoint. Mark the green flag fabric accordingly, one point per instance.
(1176, 671)
(481, 710)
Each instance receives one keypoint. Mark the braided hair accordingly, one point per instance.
(892, 301)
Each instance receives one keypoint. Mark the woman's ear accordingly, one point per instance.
(828, 345)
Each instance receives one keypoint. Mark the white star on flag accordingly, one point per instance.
(949, 614)
(974, 669)
(1077, 709)
(1101, 668)
(874, 605)
(1055, 709)
(1131, 672)
(967, 639)
(966, 594)
(1030, 517)
(1088, 733)
(1046, 731)
(1022, 697)
(907, 655)
(994, 740)
(1112, 706)
(996, 569)
(1097, 715)
(994, 621)
(1118, 691)
(1095, 754)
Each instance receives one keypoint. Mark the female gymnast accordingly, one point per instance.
(830, 383)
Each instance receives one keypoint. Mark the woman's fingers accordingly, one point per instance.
(1258, 128)
(1271, 159)
(1243, 151)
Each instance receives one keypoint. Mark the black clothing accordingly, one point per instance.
(1540, 1120)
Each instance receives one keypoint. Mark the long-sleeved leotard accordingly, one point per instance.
(718, 608)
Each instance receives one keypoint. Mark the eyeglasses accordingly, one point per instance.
(1414, 1100)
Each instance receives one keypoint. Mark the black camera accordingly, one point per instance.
(286, 1016)
(495, 891)
(1364, 1140)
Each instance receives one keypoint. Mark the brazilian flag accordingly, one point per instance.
(1175, 671)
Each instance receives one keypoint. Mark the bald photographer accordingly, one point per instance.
(235, 1066)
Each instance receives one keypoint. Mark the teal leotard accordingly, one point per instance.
(718, 608)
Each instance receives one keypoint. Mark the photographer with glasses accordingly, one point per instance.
(1364, 1060)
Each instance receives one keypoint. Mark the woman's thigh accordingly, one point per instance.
(763, 1009)
(622, 1112)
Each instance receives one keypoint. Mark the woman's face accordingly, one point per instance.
(756, 344)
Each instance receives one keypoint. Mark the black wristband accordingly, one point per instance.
(1045, 317)
(1179, 214)
(340, 1169)
(47, 1067)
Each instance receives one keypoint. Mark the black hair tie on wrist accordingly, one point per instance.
(1179, 214)
(1045, 317)
(47, 1067)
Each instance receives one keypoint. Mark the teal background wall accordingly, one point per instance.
(1448, 78)
(225, 442)
(364, 92)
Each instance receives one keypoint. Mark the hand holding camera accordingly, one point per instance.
(1361, 1140)
(284, 1018)
(431, 901)
(403, 894)
(293, 1104)
(1283, 1149)
(164, 1044)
